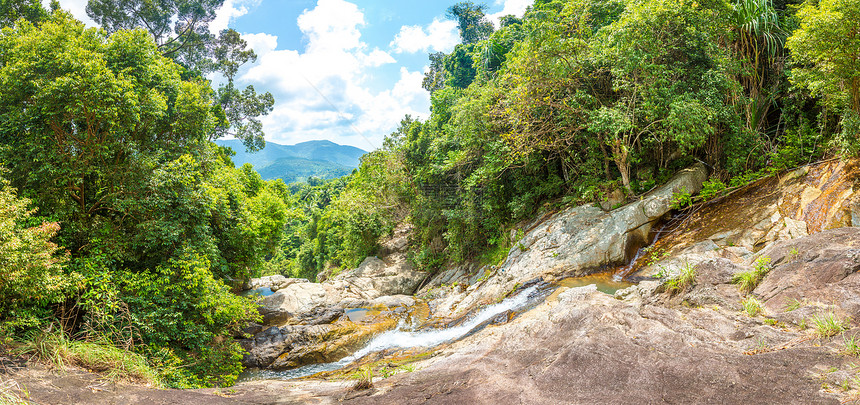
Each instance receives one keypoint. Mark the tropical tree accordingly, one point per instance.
(180, 28)
(241, 108)
(758, 41)
(435, 79)
(827, 49)
(105, 137)
(471, 21)
(662, 105)
(30, 10)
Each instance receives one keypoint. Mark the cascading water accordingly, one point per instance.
(625, 270)
(403, 339)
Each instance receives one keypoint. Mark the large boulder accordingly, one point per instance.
(275, 282)
(374, 278)
(584, 239)
(292, 301)
(292, 346)
(326, 334)
(304, 323)
(819, 270)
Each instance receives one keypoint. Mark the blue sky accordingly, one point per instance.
(342, 70)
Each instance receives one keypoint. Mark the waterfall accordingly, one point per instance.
(406, 339)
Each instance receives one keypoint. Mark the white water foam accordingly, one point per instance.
(400, 339)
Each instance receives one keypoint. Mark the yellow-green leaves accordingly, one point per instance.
(31, 267)
(828, 47)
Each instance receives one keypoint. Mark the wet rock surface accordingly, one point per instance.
(305, 323)
(803, 202)
(641, 345)
(591, 348)
(577, 241)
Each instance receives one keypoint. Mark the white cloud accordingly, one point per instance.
(322, 92)
(261, 43)
(377, 58)
(440, 35)
(229, 10)
(333, 24)
(515, 7)
(78, 8)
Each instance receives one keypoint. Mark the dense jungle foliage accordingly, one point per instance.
(128, 224)
(583, 97)
(123, 222)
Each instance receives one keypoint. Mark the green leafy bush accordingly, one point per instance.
(182, 312)
(711, 189)
(31, 267)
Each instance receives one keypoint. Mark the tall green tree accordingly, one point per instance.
(180, 28)
(757, 44)
(98, 107)
(471, 21)
(107, 139)
(30, 10)
(242, 108)
(435, 79)
(827, 49)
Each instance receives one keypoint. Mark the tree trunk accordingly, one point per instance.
(625, 176)
(619, 155)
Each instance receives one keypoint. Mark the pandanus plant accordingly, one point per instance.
(758, 41)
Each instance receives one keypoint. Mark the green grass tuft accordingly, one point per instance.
(852, 348)
(685, 279)
(8, 396)
(100, 356)
(747, 281)
(364, 376)
(752, 306)
(793, 305)
(829, 325)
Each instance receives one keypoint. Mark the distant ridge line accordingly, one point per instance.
(295, 163)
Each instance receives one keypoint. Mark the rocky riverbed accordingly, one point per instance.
(643, 344)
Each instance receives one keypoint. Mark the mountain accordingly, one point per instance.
(295, 163)
(293, 170)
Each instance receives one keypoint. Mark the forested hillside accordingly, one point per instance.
(297, 163)
(126, 226)
(580, 99)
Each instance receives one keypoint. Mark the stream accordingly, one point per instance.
(405, 337)
(401, 338)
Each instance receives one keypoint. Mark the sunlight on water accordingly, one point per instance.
(402, 339)
(262, 292)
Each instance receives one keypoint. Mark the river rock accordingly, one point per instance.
(393, 301)
(292, 301)
(375, 278)
(819, 270)
(293, 346)
(275, 282)
(583, 239)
